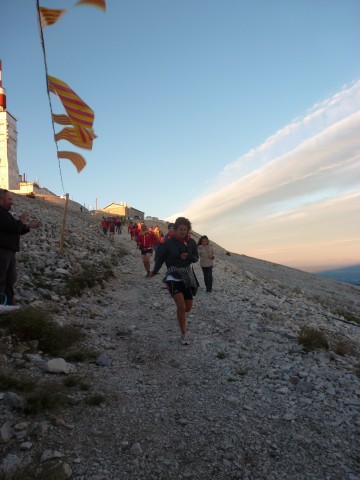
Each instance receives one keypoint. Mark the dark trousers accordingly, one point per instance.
(208, 278)
(7, 275)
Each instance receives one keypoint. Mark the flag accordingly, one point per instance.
(95, 3)
(81, 115)
(61, 119)
(49, 16)
(85, 135)
(72, 136)
(75, 158)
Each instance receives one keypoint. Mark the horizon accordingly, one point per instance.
(243, 117)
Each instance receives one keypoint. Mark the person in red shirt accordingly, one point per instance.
(146, 240)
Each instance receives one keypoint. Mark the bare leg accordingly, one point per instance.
(182, 307)
(146, 260)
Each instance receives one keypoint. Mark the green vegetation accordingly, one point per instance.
(89, 276)
(36, 324)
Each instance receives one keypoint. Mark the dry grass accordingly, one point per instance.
(312, 339)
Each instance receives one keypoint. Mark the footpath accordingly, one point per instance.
(243, 401)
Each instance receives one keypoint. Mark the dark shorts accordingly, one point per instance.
(147, 250)
(179, 287)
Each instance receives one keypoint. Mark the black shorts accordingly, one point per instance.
(147, 250)
(179, 287)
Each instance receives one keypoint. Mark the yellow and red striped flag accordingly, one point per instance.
(75, 158)
(61, 119)
(85, 135)
(80, 114)
(72, 136)
(49, 16)
(95, 3)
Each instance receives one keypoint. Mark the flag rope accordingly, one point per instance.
(47, 88)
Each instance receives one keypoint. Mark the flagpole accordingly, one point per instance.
(63, 225)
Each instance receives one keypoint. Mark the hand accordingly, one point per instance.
(34, 224)
(24, 216)
(184, 255)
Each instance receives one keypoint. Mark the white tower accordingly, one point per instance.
(9, 170)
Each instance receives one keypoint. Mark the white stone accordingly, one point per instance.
(58, 365)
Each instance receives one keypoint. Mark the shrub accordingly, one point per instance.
(35, 324)
(221, 355)
(71, 381)
(313, 339)
(49, 470)
(14, 382)
(47, 397)
(80, 355)
(88, 278)
(95, 400)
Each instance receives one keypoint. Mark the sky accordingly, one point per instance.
(242, 115)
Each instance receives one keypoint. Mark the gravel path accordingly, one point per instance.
(242, 401)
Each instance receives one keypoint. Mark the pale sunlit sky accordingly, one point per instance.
(242, 115)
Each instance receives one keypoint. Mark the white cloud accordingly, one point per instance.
(279, 193)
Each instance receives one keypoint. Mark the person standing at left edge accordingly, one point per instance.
(10, 231)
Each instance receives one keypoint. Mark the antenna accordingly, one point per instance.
(2, 92)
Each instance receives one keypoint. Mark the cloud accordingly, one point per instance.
(290, 180)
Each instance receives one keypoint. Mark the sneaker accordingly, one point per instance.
(184, 339)
(8, 308)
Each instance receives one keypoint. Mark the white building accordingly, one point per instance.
(9, 170)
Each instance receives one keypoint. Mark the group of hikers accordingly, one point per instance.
(178, 251)
(111, 225)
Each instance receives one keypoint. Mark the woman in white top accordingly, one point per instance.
(206, 254)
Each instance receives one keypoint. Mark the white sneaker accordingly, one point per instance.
(8, 308)
(184, 339)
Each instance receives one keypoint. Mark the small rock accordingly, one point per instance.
(135, 449)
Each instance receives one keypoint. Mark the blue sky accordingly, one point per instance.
(240, 114)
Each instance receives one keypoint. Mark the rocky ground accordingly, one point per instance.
(243, 401)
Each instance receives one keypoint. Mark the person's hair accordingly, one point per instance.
(3, 192)
(182, 221)
(203, 237)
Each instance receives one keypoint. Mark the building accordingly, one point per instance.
(122, 209)
(9, 170)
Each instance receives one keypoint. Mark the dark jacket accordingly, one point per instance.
(10, 230)
(169, 252)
